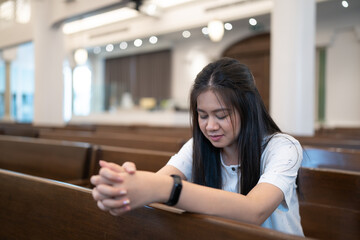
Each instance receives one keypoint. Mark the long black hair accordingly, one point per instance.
(234, 84)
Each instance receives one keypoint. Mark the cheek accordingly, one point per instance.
(202, 124)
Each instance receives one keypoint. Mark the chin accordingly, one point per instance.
(217, 144)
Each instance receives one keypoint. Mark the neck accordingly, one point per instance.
(230, 156)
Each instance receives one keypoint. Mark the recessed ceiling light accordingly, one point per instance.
(153, 39)
(186, 34)
(205, 30)
(97, 50)
(228, 26)
(123, 45)
(345, 4)
(252, 21)
(138, 42)
(109, 48)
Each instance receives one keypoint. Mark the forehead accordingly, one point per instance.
(208, 100)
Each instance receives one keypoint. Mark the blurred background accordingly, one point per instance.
(126, 62)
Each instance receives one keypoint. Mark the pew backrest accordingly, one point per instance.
(329, 142)
(58, 160)
(334, 158)
(39, 208)
(169, 144)
(183, 132)
(328, 222)
(146, 160)
(330, 187)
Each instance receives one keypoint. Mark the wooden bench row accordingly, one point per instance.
(69, 161)
(168, 144)
(105, 134)
(76, 162)
(28, 130)
(320, 189)
(39, 208)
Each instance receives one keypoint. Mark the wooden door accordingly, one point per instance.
(255, 53)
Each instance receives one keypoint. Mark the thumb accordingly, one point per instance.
(129, 167)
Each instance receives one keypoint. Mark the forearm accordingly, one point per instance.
(216, 202)
(253, 208)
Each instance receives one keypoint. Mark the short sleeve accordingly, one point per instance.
(183, 159)
(280, 163)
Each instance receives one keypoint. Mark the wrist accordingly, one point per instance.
(175, 191)
(163, 189)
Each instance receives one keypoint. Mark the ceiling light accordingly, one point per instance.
(123, 45)
(216, 30)
(7, 10)
(80, 56)
(23, 11)
(345, 4)
(99, 20)
(228, 26)
(252, 21)
(109, 48)
(97, 50)
(205, 30)
(153, 39)
(138, 42)
(186, 34)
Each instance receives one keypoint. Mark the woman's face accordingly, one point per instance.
(215, 121)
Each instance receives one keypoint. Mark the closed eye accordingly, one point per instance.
(222, 117)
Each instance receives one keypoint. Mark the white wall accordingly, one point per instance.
(343, 80)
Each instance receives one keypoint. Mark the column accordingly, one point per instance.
(293, 65)
(9, 55)
(49, 55)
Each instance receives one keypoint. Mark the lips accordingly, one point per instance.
(215, 138)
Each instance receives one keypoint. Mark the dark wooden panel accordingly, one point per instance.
(329, 223)
(58, 160)
(330, 187)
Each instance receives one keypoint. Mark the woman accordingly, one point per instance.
(238, 164)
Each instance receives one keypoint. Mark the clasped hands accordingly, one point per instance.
(115, 187)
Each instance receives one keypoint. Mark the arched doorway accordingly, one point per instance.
(254, 52)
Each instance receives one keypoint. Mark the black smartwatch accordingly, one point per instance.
(175, 192)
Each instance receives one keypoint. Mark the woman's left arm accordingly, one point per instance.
(143, 188)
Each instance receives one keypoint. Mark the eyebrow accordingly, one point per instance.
(215, 111)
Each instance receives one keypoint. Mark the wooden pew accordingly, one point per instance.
(59, 160)
(161, 131)
(328, 222)
(329, 142)
(147, 160)
(168, 144)
(339, 132)
(333, 158)
(25, 130)
(42, 209)
(330, 187)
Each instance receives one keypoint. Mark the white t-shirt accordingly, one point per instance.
(280, 162)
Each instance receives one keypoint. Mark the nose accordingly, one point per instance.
(212, 124)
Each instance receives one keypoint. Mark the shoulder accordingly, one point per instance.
(282, 141)
(283, 148)
(282, 138)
